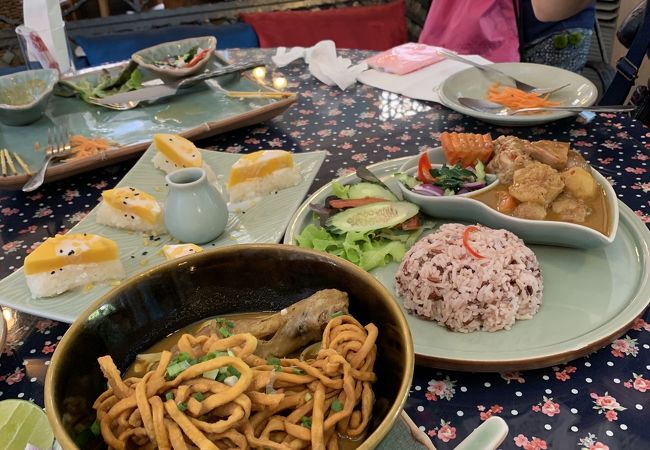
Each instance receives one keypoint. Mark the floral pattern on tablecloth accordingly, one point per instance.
(597, 402)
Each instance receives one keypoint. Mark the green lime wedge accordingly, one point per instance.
(22, 423)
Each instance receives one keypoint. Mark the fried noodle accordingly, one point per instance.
(282, 404)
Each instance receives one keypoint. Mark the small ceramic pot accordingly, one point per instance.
(194, 211)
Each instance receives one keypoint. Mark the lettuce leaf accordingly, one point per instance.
(340, 190)
(363, 249)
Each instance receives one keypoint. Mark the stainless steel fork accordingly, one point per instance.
(58, 146)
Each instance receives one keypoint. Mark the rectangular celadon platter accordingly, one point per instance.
(263, 222)
(196, 112)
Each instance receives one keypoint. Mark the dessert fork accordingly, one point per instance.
(58, 146)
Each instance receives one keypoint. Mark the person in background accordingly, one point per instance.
(553, 32)
(557, 32)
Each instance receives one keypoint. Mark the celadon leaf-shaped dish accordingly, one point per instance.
(148, 57)
(549, 232)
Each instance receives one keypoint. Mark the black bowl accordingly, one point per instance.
(241, 278)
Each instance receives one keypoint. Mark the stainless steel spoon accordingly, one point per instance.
(518, 83)
(365, 174)
(486, 106)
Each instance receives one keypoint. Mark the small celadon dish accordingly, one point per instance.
(24, 95)
(148, 57)
(549, 232)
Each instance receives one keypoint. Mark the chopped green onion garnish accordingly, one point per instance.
(298, 371)
(336, 314)
(305, 422)
(199, 396)
(225, 332)
(174, 369)
(308, 396)
(169, 395)
(181, 406)
(273, 361)
(94, 428)
(221, 322)
(212, 374)
(233, 372)
(182, 356)
(337, 405)
(207, 357)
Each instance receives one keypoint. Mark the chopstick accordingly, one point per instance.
(259, 94)
(22, 164)
(6, 161)
(10, 161)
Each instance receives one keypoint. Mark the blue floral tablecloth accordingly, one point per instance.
(597, 402)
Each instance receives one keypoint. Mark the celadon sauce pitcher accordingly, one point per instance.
(194, 211)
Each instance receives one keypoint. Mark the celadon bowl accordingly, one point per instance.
(146, 57)
(464, 207)
(24, 95)
(235, 279)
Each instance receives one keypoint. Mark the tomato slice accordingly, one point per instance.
(198, 57)
(340, 203)
(424, 169)
(411, 224)
(469, 230)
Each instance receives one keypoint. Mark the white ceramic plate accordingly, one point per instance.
(549, 232)
(264, 222)
(474, 83)
(590, 298)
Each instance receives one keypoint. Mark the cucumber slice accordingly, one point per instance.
(362, 190)
(371, 217)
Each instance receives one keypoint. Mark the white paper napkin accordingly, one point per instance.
(422, 84)
(324, 64)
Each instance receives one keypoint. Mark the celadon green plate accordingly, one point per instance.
(590, 298)
(196, 112)
(262, 222)
(474, 83)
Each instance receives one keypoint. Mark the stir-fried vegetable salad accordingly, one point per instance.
(363, 223)
(444, 180)
(187, 59)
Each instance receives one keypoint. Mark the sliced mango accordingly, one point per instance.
(178, 150)
(133, 202)
(65, 249)
(179, 250)
(258, 165)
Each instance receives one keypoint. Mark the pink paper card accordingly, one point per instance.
(405, 58)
